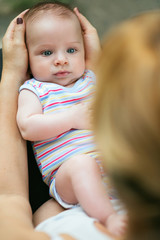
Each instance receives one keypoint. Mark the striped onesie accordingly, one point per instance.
(51, 153)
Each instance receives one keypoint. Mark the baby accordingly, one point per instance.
(54, 109)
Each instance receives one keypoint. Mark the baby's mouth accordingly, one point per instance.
(62, 74)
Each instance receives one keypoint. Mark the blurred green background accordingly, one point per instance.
(103, 14)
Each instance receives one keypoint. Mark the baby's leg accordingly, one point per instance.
(79, 180)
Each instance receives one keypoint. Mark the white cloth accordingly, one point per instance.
(59, 199)
(76, 224)
(73, 222)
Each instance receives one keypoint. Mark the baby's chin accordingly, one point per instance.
(65, 79)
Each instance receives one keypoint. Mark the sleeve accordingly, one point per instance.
(30, 85)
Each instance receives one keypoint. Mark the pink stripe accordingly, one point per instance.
(42, 143)
(67, 101)
(58, 158)
(85, 86)
(53, 172)
(56, 90)
(62, 145)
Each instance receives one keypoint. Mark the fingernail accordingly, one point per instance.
(19, 20)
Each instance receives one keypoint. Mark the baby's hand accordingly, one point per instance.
(81, 113)
(116, 224)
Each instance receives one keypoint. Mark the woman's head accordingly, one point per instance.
(128, 114)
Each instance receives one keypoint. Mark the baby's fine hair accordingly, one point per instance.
(60, 9)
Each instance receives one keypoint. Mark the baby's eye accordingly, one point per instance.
(47, 53)
(71, 50)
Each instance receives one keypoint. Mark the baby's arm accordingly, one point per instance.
(34, 125)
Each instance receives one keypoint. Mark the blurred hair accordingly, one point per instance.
(60, 9)
(127, 118)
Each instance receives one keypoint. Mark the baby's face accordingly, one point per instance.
(56, 49)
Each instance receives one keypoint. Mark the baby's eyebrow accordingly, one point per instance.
(45, 46)
(75, 42)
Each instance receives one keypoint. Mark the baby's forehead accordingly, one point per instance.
(51, 15)
(47, 25)
(51, 12)
(42, 14)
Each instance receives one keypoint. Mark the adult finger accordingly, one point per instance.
(11, 28)
(85, 24)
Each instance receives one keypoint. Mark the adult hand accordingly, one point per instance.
(91, 40)
(15, 56)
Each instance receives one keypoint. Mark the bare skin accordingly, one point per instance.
(15, 210)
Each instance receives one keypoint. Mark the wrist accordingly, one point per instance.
(11, 80)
